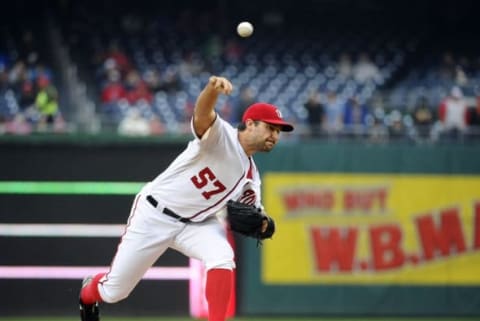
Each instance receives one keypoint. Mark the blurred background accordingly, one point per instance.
(377, 191)
(338, 69)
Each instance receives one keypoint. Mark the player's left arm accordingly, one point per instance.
(204, 112)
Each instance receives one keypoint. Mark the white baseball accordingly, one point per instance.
(245, 29)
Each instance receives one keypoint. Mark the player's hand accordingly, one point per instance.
(264, 225)
(220, 85)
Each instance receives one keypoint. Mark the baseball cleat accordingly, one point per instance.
(89, 312)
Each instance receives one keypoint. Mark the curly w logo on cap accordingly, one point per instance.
(267, 113)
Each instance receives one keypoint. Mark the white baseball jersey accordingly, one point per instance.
(212, 170)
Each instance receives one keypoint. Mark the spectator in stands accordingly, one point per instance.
(170, 80)
(47, 97)
(27, 95)
(396, 127)
(191, 65)
(156, 126)
(134, 124)
(122, 62)
(461, 78)
(355, 117)
(136, 89)
(344, 65)
(474, 118)
(315, 113)
(24, 79)
(378, 133)
(365, 70)
(113, 90)
(17, 74)
(108, 67)
(152, 80)
(113, 97)
(453, 113)
(46, 104)
(423, 118)
(333, 123)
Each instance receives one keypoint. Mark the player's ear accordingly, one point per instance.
(249, 123)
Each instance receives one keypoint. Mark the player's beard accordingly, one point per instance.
(268, 146)
(262, 143)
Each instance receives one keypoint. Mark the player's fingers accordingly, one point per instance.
(228, 87)
(216, 82)
(221, 84)
(264, 226)
(213, 81)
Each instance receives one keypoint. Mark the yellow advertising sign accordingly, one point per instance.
(372, 229)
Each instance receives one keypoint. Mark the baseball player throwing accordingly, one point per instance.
(178, 208)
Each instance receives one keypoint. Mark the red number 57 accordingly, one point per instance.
(204, 177)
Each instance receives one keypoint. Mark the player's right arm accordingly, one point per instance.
(204, 112)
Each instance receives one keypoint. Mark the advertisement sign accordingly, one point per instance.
(372, 229)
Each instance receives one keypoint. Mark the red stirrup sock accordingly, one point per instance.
(218, 289)
(89, 293)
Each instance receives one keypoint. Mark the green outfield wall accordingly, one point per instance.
(362, 229)
(412, 173)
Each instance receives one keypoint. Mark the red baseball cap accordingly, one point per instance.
(268, 114)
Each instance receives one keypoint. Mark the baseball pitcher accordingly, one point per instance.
(178, 208)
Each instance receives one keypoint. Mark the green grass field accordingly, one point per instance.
(247, 319)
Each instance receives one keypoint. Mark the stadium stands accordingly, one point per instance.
(28, 94)
(155, 61)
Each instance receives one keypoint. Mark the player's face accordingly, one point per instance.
(265, 136)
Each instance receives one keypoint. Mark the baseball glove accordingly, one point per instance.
(247, 220)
